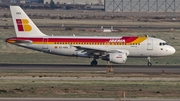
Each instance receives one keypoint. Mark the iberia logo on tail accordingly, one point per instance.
(23, 25)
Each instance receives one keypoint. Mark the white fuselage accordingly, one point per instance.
(148, 47)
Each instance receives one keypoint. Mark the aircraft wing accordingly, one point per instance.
(100, 51)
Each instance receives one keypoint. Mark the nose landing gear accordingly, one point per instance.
(149, 62)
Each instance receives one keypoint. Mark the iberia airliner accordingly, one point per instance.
(112, 49)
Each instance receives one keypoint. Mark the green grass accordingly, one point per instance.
(61, 84)
(88, 89)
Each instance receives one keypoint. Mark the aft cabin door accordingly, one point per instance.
(45, 43)
(150, 44)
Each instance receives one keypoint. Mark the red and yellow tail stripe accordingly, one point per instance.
(84, 41)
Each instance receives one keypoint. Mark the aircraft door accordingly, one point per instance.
(45, 43)
(150, 44)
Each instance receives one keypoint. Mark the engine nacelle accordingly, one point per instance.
(116, 57)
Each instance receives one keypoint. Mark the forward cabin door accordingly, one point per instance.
(45, 43)
(149, 44)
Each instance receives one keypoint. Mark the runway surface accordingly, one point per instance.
(86, 99)
(77, 67)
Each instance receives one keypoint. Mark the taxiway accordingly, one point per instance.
(77, 67)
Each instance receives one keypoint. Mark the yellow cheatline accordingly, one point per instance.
(139, 40)
(37, 42)
(50, 42)
(43, 43)
(66, 43)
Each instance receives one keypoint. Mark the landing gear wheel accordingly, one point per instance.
(94, 63)
(149, 64)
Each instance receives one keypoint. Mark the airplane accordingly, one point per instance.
(112, 49)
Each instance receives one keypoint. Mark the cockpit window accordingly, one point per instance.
(163, 44)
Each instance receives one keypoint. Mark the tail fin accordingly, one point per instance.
(23, 25)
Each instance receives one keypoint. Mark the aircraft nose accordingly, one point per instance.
(172, 50)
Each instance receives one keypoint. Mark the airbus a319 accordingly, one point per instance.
(114, 49)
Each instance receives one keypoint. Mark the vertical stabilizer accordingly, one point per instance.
(24, 27)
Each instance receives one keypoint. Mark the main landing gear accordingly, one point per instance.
(149, 62)
(94, 62)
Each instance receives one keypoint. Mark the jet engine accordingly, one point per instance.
(115, 57)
